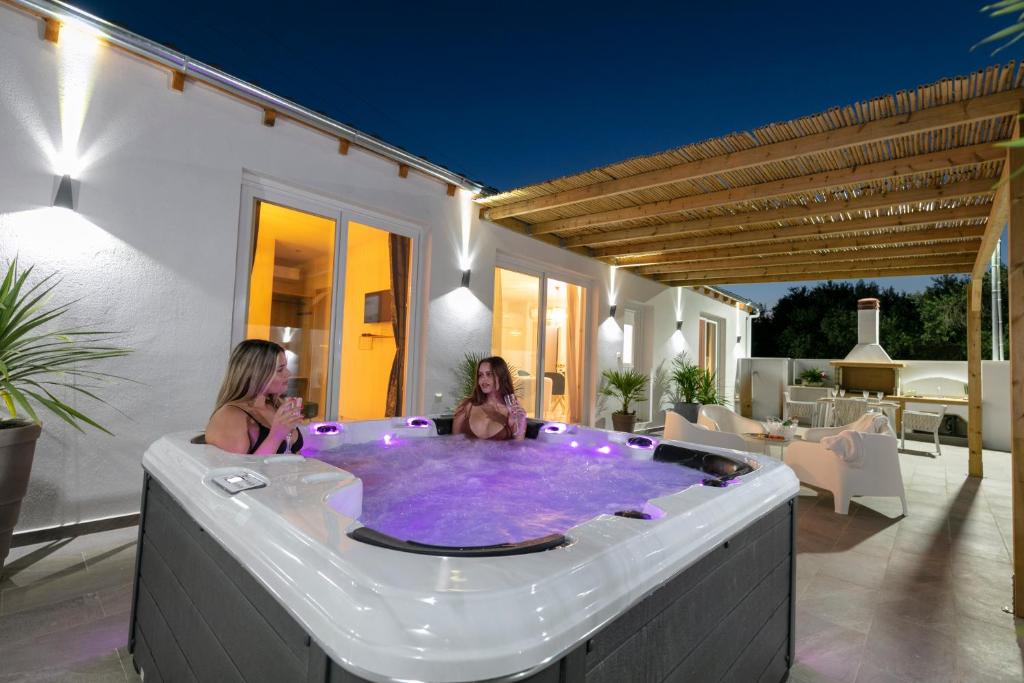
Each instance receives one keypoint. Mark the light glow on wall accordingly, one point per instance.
(613, 291)
(60, 238)
(679, 303)
(465, 224)
(76, 69)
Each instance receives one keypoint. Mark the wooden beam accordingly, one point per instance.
(865, 274)
(178, 81)
(403, 170)
(974, 386)
(942, 237)
(922, 120)
(1015, 296)
(269, 117)
(51, 29)
(452, 187)
(808, 256)
(343, 146)
(626, 254)
(868, 202)
(835, 269)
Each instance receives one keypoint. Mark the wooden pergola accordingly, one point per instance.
(912, 183)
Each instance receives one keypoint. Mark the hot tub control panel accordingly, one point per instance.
(238, 481)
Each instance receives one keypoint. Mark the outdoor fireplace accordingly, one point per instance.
(868, 367)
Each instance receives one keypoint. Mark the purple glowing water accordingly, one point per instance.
(455, 491)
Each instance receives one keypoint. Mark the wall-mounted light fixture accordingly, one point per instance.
(679, 324)
(465, 278)
(611, 310)
(739, 338)
(65, 197)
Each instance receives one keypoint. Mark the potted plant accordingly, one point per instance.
(36, 363)
(684, 381)
(813, 377)
(707, 389)
(628, 386)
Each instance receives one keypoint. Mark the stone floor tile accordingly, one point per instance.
(31, 624)
(910, 651)
(826, 651)
(985, 648)
(68, 649)
(103, 669)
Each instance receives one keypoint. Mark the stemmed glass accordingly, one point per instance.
(512, 403)
(842, 392)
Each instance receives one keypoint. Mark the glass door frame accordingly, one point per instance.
(545, 272)
(258, 189)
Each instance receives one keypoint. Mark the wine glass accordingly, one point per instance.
(842, 392)
(513, 410)
(881, 395)
(867, 395)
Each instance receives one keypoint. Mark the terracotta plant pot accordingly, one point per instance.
(17, 447)
(689, 411)
(623, 422)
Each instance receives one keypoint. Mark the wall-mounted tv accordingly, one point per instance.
(377, 307)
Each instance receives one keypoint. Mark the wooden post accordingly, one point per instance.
(343, 145)
(974, 463)
(451, 189)
(178, 81)
(269, 116)
(1015, 271)
(403, 170)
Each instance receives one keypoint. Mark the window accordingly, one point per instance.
(707, 352)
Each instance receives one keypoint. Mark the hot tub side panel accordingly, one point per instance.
(200, 615)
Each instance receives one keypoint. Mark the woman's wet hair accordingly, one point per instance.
(250, 368)
(501, 373)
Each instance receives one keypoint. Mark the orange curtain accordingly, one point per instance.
(399, 248)
(574, 352)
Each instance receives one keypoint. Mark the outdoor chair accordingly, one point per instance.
(848, 410)
(678, 428)
(721, 419)
(849, 462)
(557, 389)
(922, 421)
(799, 410)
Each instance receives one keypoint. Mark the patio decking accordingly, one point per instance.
(879, 599)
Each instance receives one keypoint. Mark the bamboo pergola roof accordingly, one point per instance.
(898, 185)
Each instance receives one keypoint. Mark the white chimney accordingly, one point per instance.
(868, 350)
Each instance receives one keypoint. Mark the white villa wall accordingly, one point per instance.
(152, 252)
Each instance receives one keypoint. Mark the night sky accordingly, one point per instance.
(511, 94)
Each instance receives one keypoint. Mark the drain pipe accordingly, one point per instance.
(196, 70)
(996, 300)
(750, 330)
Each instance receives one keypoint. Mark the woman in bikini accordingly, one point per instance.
(251, 415)
(492, 411)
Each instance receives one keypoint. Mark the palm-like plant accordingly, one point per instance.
(707, 389)
(465, 373)
(35, 361)
(685, 379)
(628, 386)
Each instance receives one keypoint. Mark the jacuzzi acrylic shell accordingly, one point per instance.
(385, 615)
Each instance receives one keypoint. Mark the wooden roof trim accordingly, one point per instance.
(928, 235)
(621, 255)
(921, 120)
(822, 274)
(891, 171)
(801, 257)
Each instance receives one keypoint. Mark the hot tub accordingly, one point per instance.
(308, 576)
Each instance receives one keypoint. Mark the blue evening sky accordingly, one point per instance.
(516, 93)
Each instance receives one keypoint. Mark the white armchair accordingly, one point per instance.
(873, 469)
(721, 419)
(678, 428)
(873, 423)
(798, 410)
(921, 421)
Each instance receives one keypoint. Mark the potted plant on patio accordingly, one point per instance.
(37, 363)
(684, 381)
(628, 386)
(813, 377)
(707, 389)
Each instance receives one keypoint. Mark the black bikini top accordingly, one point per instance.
(264, 432)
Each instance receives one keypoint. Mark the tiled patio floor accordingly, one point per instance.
(879, 598)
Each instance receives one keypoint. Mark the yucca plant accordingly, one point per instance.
(465, 373)
(37, 360)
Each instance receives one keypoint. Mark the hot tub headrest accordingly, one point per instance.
(709, 463)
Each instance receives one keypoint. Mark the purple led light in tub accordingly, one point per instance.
(417, 422)
(457, 491)
(325, 428)
(555, 428)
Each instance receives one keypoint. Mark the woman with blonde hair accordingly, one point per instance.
(251, 415)
(492, 411)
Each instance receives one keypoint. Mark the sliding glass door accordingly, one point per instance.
(539, 328)
(335, 292)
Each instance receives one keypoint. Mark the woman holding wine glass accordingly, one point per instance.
(492, 411)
